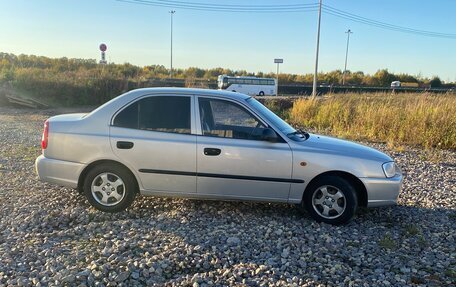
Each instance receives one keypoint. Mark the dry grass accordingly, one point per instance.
(427, 120)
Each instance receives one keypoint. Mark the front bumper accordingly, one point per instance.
(382, 191)
(59, 172)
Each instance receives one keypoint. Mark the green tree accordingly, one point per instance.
(435, 82)
(383, 78)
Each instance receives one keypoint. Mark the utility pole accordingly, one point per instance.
(277, 84)
(314, 90)
(171, 69)
(346, 55)
(278, 62)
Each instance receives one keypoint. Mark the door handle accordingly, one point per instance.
(124, 145)
(212, 151)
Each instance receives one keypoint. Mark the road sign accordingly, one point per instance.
(103, 47)
(278, 61)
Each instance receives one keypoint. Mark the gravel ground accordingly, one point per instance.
(50, 236)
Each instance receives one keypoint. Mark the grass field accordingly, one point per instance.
(427, 120)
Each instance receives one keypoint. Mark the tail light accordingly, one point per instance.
(44, 138)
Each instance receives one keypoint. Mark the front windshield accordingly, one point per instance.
(283, 126)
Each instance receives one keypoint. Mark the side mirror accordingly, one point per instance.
(270, 135)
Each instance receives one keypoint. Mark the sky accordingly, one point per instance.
(140, 35)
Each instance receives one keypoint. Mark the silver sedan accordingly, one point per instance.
(197, 143)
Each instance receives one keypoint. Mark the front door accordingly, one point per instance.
(153, 136)
(233, 160)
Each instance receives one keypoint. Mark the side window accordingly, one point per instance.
(159, 113)
(128, 117)
(226, 119)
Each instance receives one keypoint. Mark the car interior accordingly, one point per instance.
(223, 119)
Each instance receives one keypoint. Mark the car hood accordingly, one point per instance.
(325, 144)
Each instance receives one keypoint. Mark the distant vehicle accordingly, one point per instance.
(207, 144)
(395, 84)
(251, 86)
(410, 84)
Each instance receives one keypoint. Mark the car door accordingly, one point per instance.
(233, 160)
(153, 136)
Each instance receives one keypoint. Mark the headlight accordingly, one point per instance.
(391, 169)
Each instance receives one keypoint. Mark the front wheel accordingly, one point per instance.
(261, 93)
(331, 199)
(110, 188)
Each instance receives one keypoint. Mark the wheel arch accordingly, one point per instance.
(103, 161)
(361, 191)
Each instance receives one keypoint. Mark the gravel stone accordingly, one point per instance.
(135, 275)
(233, 241)
(50, 236)
(122, 276)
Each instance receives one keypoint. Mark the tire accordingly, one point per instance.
(103, 190)
(261, 93)
(331, 199)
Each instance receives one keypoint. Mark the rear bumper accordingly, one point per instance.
(382, 191)
(59, 172)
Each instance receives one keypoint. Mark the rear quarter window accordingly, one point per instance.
(128, 117)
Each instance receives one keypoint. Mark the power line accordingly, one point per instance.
(356, 18)
(382, 23)
(287, 8)
(225, 8)
(239, 5)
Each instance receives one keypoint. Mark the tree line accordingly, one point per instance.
(84, 81)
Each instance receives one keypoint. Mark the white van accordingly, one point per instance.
(395, 84)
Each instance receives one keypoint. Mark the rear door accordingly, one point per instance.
(233, 161)
(154, 137)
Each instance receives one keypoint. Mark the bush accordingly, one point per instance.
(414, 119)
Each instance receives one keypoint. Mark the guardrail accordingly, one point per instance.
(299, 89)
(307, 89)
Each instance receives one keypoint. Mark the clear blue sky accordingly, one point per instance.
(140, 35)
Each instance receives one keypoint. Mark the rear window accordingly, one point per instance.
(157, 113)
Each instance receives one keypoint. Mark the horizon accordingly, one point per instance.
(200, 39)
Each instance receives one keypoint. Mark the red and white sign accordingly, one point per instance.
(103, 47)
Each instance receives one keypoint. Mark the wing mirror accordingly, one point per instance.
(270, 135)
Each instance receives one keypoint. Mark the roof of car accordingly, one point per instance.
(193, 91)
(114, 104)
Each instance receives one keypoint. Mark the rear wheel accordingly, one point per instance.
(331, 199)
(261, 93)
(110, 188)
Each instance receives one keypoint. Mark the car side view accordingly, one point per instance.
(207, 144)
